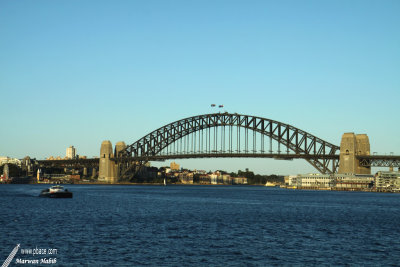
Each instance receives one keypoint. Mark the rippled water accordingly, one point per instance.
(202, 225)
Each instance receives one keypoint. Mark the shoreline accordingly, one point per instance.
(371, 190)
(374, 190)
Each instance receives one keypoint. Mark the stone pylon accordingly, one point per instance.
(106, 165)
(351, 146)
(108, 169)
(118, 148)
(363, 149)
(94, 172)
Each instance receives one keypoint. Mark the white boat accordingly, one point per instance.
(56, 191)
(269, 184)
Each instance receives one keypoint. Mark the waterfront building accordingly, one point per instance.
(387, 180)
(186, 177)
(226, 179)
(315, 180)
(71, 152)
(204, 179)
(286, 179)
(214, 178)
(165, 170)
(5, 160)
(239, 180)
(353, 181)
(347, 181)
(292, 181)
(174, 166)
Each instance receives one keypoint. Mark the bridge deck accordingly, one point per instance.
(280, 156)
(77, 163)
(370, 160)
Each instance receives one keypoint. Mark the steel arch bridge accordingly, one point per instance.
(229, 135)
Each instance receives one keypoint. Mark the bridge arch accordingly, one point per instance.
(298, 143)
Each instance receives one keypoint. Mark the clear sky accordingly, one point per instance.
(77, 72)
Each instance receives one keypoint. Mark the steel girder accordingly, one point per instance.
(69, 163)
(379, 161)
(296, 140)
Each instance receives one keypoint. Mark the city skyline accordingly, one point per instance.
(79, 74)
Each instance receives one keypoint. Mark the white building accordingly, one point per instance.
(316, 180)
(214, 178)
(332, 181)
(5, 160)
(71, 152)
(292, 181)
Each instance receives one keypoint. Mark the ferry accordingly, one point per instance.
(56, 191)
(269, 184)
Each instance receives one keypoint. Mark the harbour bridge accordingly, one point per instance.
(227, 135)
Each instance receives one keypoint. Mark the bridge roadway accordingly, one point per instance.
(371, 160)
(69, 163)
(280, 156)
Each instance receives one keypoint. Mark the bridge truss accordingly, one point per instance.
(230, 135)
(379, 161)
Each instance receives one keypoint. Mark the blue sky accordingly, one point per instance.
(80, 72)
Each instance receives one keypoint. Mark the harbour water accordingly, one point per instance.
(200, 226)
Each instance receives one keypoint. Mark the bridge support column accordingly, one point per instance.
(106, 165)
(352, 146)
(94, 172)
(118, 148)
(108, 169)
